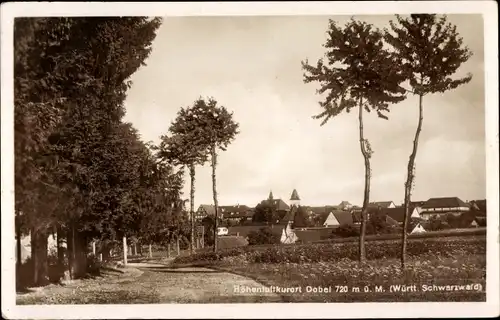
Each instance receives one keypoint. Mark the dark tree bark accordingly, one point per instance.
(366, 198)
(409, 180)
(60, 251)
(39, 256)
(214, 189)
(19, 260)
(192, 173)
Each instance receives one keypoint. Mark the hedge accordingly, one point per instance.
(317, 252)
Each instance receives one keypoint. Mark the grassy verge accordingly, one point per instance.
(110, 287)
(456, 266)
(348, 281)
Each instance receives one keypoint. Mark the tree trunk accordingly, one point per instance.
(366, 197)
(135, 249)
(34, 256)
(39, 256)
(19, 257)
(192, 173)
(150, 251)
(125, 250)
(71, 251)
(168, 250)
(80, 253)
(178, 247)
(60, 251)
(214, 189)
(409, 181)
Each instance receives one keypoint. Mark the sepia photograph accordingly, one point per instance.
(167, 160)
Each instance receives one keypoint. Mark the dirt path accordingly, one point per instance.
(200, 285)
(154, 283)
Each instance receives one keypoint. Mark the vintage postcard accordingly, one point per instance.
(250, 160)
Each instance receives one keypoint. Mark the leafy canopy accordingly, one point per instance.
(429, 51)
(357, 68)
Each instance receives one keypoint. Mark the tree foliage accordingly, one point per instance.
(358, 72)
(301, 218)
(77, 163)
(357, 67)
(265, 212)
(429, 51)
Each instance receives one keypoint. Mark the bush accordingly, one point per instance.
(380, 250)
(204, 257)
(345, 231)
(263, 236)
(93, 265)
(435, 224)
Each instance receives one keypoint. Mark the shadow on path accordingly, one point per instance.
(178, 271)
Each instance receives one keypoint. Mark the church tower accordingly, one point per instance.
(270, 198)
(294, 199)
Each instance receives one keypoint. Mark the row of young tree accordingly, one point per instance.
(371, 69)
(81, 172)
(196, 136)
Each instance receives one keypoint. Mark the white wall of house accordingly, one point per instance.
(392, 205)
(418, 229)
(415, 213)
(288, 236)
(331, 220)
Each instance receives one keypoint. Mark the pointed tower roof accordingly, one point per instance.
(295, 195)
(270, 195)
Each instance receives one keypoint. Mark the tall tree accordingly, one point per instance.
(301, 218)
(265, 212)
(185, 147)
(429, 51)
(219, 131)
(71, 81)
(360, 73)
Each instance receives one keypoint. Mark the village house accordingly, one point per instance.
(336, 218)
(397, 214)
(345, 205)
(418, 229)
(277, 204)
(382, 204)
(237, 213)
(478, 206)
(440, 207)
(204, 210)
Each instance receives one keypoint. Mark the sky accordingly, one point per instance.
(252, 66)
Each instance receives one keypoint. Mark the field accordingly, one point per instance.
(455, 265)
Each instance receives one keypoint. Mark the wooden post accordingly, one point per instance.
(168, 250)
(203, 237)
(100, 256)
(178, 247)
(93, 247)
(125, 250)
(150, 251)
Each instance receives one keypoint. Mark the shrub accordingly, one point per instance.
(263, 236)
(93, 265)
(435, 224)
(345, 231)
(375, 250)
